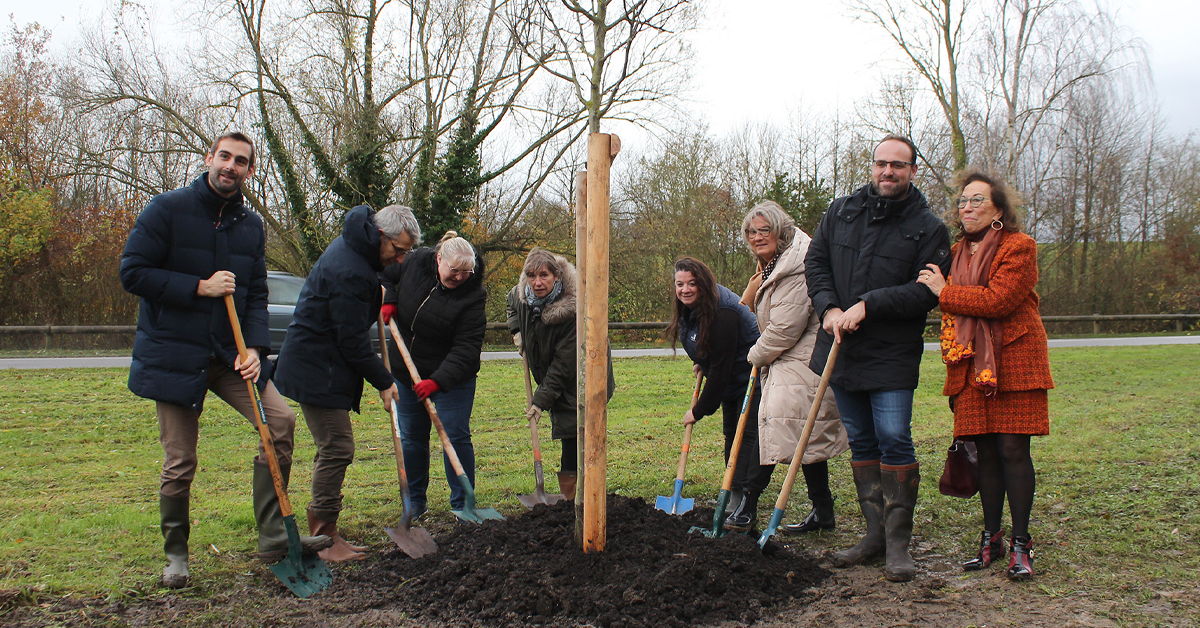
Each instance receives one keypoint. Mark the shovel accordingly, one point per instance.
(303, 574)
(469, 511)
(416, 542)
(539, 490)
(675, 504)
(718, 527)
(786, 490)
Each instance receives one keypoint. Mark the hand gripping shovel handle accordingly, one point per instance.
(429, 407)
(786, 490)
(264, 432)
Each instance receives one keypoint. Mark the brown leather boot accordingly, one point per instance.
(340, 551)
(870, 500)
(566, 483)
(900, 484)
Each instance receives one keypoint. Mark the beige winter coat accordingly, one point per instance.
(789, 327)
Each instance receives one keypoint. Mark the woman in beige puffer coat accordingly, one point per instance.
(788, 325)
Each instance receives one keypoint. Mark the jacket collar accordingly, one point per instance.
(878, 207)
(219, 207)
(362, 236)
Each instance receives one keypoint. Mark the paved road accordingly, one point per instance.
(123, 362)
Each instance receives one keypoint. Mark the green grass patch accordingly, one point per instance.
(1115, 516)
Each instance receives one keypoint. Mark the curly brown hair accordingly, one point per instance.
(1003, 197)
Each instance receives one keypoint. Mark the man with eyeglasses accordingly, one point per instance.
(327, 352)
(862, 268)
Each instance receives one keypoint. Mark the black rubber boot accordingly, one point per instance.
(820, 518)
(176, 526)
(870, 499)
(272, 535)
(900, 498)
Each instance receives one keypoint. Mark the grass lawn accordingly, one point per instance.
(1115, 517)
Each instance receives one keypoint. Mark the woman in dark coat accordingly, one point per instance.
(327, 353)
(717, 331)
(541, 316)
(437, 298)
(997, 368)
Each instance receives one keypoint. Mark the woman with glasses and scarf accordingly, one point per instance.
(997, 368)
(437, 298)
(541, 317)
(788, 325)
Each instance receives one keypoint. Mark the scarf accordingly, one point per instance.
(536, 302)
(766, 273)
(986, 334)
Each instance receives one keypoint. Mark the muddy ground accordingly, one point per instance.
(526, 571)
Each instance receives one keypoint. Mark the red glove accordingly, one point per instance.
(424, 388)
(388, 311)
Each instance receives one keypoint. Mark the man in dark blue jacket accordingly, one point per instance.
(327, 353)
(862, 268)
(189, 249)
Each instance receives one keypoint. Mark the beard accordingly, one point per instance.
(222, 186)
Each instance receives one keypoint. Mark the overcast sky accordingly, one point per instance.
(763, 60)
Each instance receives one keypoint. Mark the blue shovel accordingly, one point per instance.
(675, 504)
(786, 490)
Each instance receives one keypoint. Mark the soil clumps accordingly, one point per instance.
(527, 570)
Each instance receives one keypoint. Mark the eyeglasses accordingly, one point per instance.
(400, 250)
(896, 165)
(975, 201)
(762, 231)
(460, 273)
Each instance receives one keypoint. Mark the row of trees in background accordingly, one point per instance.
(471, 112)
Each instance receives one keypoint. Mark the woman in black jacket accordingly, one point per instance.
(437, 297)
(717, 331)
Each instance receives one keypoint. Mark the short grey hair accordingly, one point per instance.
(396, 219)
(781, 224)
(457, 252)
(541, 258)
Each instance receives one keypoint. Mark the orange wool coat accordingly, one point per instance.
(1022, 361)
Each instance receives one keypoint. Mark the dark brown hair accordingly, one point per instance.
(890, 137)
(705, 309)
(236, 136)
(1004, 198)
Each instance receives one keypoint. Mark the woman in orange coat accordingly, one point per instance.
(997, 369)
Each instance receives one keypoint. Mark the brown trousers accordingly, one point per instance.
(334, 438)
(179, 428)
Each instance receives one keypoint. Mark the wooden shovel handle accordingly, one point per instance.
(264, 432)
(687, 432)
(786, 490)
(736, 448)
(533, 428)
(447, 448)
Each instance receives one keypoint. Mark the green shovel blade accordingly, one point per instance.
(301, 574)
(469, 511)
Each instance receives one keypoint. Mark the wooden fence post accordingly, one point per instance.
(580, 344)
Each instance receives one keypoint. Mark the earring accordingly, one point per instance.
(996, 224)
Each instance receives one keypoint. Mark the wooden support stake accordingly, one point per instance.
(601, 151)
(580, 345)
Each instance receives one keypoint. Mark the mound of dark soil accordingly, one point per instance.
(528, 570)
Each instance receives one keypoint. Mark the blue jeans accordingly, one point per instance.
(878, 423)
(454, 409)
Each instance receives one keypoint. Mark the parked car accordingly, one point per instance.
(283, 291)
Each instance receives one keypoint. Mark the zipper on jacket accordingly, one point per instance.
(412, 327)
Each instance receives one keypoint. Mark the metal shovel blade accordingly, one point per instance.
(470, 512)
(776, 519)
(302, 574)
(718, 528)
(540, 496)
(416, 542)
(675, 504)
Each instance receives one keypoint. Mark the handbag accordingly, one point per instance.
(960, 476)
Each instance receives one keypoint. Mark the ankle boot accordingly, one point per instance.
(272, 534)
(820, 518)
(870, 499)
(566, 484)
(991, 547)
(1020, 564)
(340, 550)
(176, 527)
(745, 516)
(900, 484)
